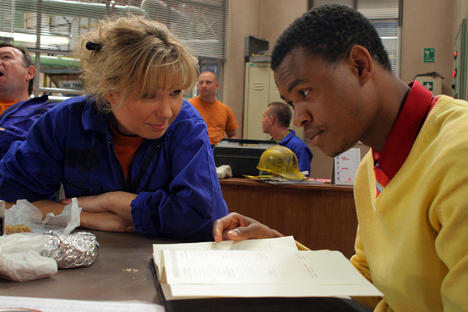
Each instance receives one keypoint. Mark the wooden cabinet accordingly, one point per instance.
(318, 216)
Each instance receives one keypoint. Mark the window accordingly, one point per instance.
(51, 28)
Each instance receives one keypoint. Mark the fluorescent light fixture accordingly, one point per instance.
(32, 38)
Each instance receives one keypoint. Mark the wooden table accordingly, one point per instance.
(121, 272)
(318, 216)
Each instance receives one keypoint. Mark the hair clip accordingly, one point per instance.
(93, 46)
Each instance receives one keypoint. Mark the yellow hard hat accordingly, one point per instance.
(281, 161)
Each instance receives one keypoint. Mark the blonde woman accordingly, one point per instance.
(135, 154)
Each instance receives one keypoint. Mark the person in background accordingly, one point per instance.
(410, 189)
(18, 111)
(134, 153)
(275, 122)
(217, 115)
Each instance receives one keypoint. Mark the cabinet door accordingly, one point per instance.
(273, 93)
(257, 83)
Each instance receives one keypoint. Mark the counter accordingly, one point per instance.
(318, 216)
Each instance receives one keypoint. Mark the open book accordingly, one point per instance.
(255, 269)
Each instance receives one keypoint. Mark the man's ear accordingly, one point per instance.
(272, 119)
(30, 72)
(362, 62)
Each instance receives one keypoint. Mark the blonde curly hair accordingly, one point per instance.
(134, 52)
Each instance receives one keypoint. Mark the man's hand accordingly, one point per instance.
(237, 227)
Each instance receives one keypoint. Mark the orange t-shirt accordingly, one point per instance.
(218, 117)
(6, 105)
(125, 148)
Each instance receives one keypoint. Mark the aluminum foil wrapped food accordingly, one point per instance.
(71, 251)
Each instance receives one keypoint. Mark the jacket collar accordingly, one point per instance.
(92, 118)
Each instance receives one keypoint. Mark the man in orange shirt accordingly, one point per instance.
(218, 116)
(17, 110)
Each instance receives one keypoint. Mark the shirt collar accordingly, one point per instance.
(282, 138)
(417, 104)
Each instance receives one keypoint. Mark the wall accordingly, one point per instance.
(273, 24)
(264, 19)
(430, 24)
(426, 24)
(243, 20)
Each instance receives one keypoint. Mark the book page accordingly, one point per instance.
(280, 243)
(259, 267)
(62, 305)
(241, 273)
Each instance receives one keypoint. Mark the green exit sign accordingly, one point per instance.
(429, 55)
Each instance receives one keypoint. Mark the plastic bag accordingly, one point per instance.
(21, 260)
(26, 213)
(20, 254)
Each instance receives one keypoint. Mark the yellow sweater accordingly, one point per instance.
(412, 240)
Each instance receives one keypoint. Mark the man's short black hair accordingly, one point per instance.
(329, 32)
(281, 112)
(27, 61)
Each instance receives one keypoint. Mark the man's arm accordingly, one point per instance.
(231, 134)
(231, 125)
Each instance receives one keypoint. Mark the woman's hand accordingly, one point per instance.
(237, 227)
(95, 203)
(105, 221)
(117, 202)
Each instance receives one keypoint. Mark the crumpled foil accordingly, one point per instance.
(71, 251)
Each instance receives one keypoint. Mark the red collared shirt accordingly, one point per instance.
(416, 106)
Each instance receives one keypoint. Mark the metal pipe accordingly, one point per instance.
(57, 61)
(61, 90)
(38, 45)
(37, 65)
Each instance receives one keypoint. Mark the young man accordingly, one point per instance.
(17, 111)
(410, 189)
(218, 116)
(275, 122)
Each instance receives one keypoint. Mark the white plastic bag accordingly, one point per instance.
(26, 213)
(20, 254)
(21, 260)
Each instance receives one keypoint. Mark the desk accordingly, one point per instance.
(318, 216)
(121, 272)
